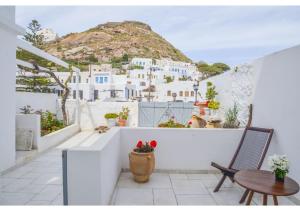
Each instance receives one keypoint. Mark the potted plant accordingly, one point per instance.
(142, 160)
(123, 116)
(279, 164)
(111, 119)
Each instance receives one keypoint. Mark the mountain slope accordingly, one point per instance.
(113, 40)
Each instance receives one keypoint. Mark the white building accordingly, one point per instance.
(103, 86)
(49, 35)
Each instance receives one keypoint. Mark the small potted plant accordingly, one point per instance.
(142, 160)
(279, 164)
(111, 119)
(123, 116)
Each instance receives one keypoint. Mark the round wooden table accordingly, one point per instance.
(264, 182)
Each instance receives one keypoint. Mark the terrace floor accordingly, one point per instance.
(39, 182)
(181, 189)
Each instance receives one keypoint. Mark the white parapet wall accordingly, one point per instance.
(92, 171)
(276, 105)
(92, 113)
(41, 143)
(57, 137)
(30, 122)
(37, 101)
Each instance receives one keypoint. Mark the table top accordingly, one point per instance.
(264, 182)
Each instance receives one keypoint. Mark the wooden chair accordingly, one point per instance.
(250, 154)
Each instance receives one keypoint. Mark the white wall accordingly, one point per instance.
(93, 184)
(8, 33)
(93, 170)
(30, 122)
(37, 101)
(276, 104)
(57, 137)
(92, 113)
(183, 149)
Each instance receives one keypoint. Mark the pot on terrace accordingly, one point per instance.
(122, 122)
(141, 165)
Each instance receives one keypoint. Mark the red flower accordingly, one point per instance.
(153, 143)
(190, 122)
(139, 144)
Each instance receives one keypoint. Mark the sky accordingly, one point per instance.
(229, 34)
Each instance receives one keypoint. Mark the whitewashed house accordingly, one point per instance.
(99, 85)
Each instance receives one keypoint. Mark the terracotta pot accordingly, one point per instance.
(122, 122)
(214, 124)
(141, 165)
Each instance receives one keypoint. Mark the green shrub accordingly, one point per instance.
(171, 124)
(214, 105)
(169, 79)
(231, 120)
(111, 116)
(49, 123)
(124, 113)
(210, 91)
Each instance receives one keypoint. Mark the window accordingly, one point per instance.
(142, 83)
(181, 93)
(101, 79)
(142, 75)
(186, 93)
(192, 93)
(169, 93)
(87, 80)
(74, 79)
(139, 75)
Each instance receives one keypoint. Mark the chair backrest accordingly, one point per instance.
(252, 148)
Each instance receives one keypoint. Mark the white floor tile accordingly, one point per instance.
(41, 203)
(189, 187)
(178, 176)
(49, 179)
(16, 185)
(164, 197)
(15, 198)
(49, 193)
(195, 200)
(134, 196)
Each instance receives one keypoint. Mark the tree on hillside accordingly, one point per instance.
(32, 35)
(211, 70)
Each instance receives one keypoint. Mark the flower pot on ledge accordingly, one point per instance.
(122, 122)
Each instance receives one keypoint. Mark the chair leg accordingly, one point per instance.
(220, 184)
(242, 200)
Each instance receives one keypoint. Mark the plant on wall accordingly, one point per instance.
(231, 120)
(210, 91)
(214, 105)
(124, 113)
(26, 110)
(49, 123)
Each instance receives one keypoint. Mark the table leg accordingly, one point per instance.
(275, 200)
(265, 199)
(249, 198)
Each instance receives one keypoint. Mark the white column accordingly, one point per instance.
(8, 34)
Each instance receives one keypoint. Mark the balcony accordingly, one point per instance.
(183, 174)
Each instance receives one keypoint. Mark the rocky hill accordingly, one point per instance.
(114, 40)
